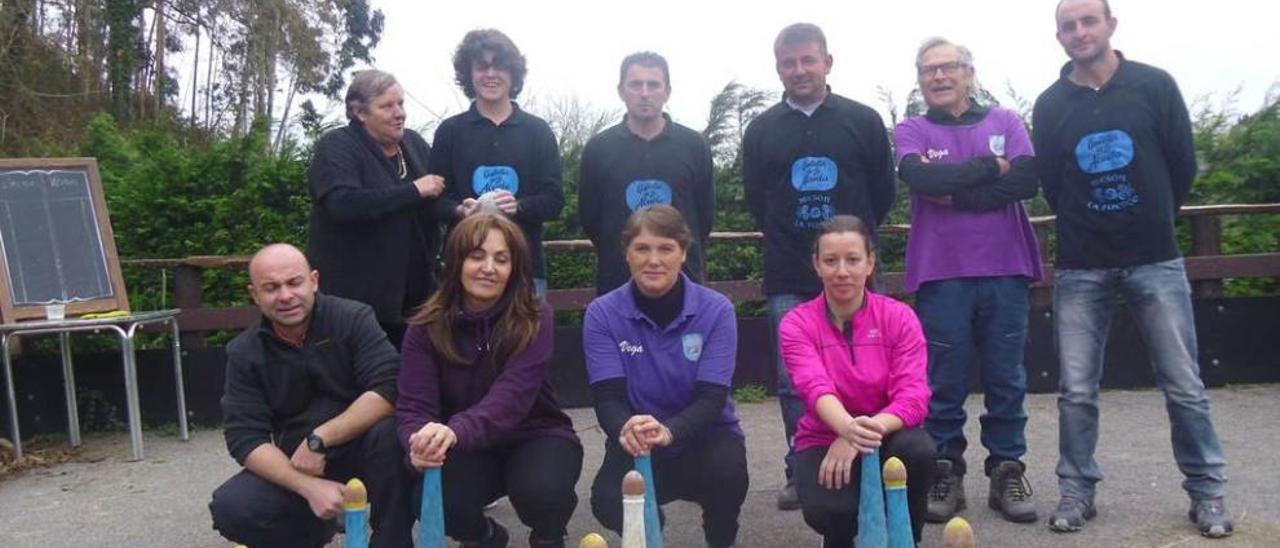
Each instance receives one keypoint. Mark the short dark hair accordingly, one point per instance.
(644, 59)
(1106, 8)
(366, 85)
(505, 55)
(801, 33)
(846, 223)
(661, 220)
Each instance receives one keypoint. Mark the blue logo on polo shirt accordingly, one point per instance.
(814, 174)
(1104, 151)
(692, 344)
(490, 178)
(647, 192)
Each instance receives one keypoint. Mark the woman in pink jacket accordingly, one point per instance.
(858, 360)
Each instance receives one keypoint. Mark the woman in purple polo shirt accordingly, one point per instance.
(474, 397)
(660, 356)
(858, 361)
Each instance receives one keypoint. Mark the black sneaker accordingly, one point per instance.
(1212, 518)
(495, 537)
(946, 497)
(1071, 515)
(1010, 492)
(788, 498)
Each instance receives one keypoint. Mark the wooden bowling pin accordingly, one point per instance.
(633, 510)
(431, 517)
(652, 524)
(593, 540)
(872, 532)
(355, 506)
(895, 494)
(958, 534)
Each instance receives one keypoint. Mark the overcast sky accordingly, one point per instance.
(574, 47)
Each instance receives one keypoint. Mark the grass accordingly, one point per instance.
(751, 393)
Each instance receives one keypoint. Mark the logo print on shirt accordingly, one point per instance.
(643, 193)
(630, 349)
(996, 144)
(873, 333)
(814, 174)
(1104, 151)
(692, 343)
(490, 178)
(936, 154)
(1112, 192)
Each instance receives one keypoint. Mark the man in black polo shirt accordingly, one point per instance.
(808, 158)
(496, 156)
(308, 404)
(643, 161)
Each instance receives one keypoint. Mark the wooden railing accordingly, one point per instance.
(1206, 269)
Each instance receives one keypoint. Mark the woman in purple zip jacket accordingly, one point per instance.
(474, 397)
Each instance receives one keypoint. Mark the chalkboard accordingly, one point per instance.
(55, 240)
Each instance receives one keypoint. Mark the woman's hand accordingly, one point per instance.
(836, 470)
(641, 433)
(863, 433)
(429, 445)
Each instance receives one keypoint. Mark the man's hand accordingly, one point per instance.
(863, 433)
(1004, 164)
(836, 469)
(307, 461)
(506, 202)
(429, 186)
(641, 433)
(429, 445)
(324, 497)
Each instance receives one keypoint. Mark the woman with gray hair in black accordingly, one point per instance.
(373, 234)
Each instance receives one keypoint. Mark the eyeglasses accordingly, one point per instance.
(948, 69)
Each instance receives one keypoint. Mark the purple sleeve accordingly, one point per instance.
(720, 347)
(907, 140)
(599, 346)
(1017, 142)
(418, 402)
(512, 394)
(908, 363)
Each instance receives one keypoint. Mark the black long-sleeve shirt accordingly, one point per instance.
(278, 393)
(622, 172)
(520, 155)
(800, 170)
(1116, 163)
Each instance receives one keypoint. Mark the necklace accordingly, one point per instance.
(404, 168)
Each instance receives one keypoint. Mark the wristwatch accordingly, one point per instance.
(316, 443)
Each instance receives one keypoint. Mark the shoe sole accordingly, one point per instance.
(994, 504)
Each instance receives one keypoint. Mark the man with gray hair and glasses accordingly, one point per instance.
(970, 258)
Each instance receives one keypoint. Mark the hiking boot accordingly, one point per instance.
(1011, 492)
(1071, 515)
(1212, 518)
(946, 497)
(788, 498)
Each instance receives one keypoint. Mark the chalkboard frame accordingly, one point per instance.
(119, 300)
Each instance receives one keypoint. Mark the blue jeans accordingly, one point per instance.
(792, 405)
(1160, 298)
(982, 320)
(540, 287)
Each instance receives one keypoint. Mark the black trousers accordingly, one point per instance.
(537, 475)
(834, 514)
(250, 510)
(712, 473)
